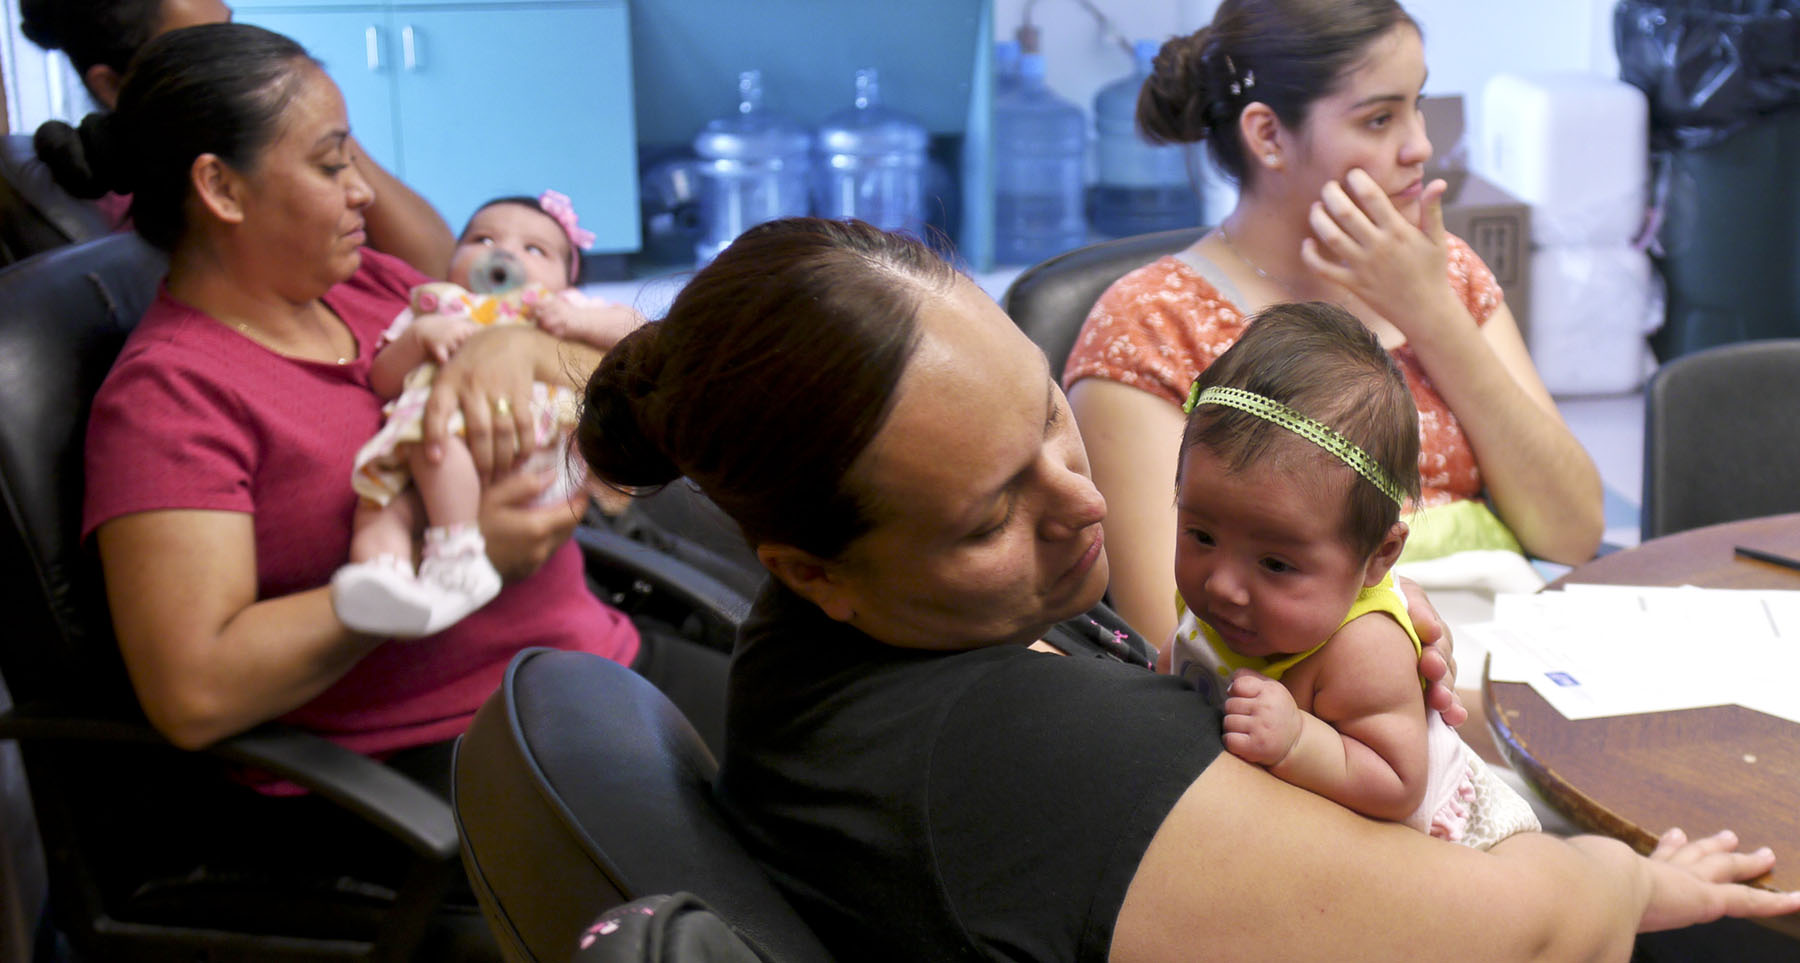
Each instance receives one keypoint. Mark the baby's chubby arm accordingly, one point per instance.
(430, 337)
(1362, 745)
(598, 323)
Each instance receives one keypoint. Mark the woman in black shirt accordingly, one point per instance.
(938, 742)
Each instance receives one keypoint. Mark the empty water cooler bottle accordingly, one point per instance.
(1006, 67)
(871, 162)
(1139, 187)
(754, 167)
(1040, 150)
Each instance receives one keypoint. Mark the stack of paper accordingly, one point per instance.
(1608, 650)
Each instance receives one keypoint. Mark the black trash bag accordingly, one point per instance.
(1709, 67)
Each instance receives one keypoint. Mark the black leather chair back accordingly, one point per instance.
(1722, 436)
(679, 520)
(580, 787)
(63, 317)
(35, 214)
(124, 880)
(1050, 300)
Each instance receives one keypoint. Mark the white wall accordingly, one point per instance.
(1465, 43)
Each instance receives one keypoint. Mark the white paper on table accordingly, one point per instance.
(1601, 650)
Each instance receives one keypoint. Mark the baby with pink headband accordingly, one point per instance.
(534, 245)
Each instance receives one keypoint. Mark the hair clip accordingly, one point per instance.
(1237, 86)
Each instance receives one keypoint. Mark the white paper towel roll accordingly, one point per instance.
(1573, 146)
(1591, 308)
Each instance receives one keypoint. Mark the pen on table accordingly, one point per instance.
(1770, 557)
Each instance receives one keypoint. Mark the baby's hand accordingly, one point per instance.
(598, 323)
(441, 334)
(1262, 723)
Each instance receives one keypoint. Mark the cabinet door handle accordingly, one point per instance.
(372, 46)
(408, 48)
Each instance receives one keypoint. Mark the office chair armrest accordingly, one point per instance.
(639, 577)
(382, 796)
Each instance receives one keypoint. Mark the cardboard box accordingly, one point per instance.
(1496, 224)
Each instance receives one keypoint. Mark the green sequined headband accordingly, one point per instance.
(1323, 435)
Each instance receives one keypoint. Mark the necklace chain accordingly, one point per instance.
(1252, 265)
(244, 329)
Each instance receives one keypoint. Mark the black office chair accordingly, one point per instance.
(35, 214)
(680, 521)
(646, 582)
(665, 928)
(1722, 436)
(124, 883)
(1050, 300)
(578, 788)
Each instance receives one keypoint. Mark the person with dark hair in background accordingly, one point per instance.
(1312, 107)
(939, 743)
(100, 38)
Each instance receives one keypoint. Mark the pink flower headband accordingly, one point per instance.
(557, 205)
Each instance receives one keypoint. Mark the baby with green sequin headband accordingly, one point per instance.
(1300, 451)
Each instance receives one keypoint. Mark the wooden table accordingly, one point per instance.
(1633, 777)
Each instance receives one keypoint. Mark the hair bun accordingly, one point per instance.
(620, 434)
(86, 161)
(1175, 106)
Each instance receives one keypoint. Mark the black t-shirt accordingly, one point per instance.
(988, 804)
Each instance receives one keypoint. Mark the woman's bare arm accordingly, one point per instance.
(1246, 867)
(206, 658)
(1542, 481)
(402, 223)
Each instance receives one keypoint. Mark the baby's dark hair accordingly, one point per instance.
(1317, 359)
(575, 264)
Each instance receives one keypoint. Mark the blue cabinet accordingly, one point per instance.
(467, 101)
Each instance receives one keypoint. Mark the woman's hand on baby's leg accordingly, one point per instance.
(520, 533)
(1262, 723)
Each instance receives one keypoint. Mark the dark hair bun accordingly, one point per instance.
(85, 161)
(620, 432)
(1176, 104)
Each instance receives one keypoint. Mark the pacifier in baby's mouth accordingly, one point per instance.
(496, 272)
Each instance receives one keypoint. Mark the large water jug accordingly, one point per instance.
(754, 167)
(1139, 187)
(871, 162)
(1006, 67)
(1040, 149)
